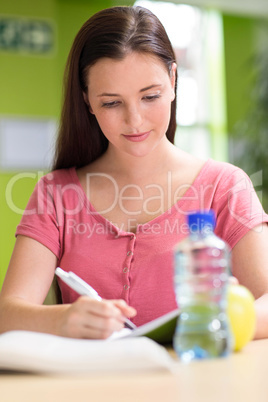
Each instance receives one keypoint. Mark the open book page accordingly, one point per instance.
(45, 353)
(160, 330)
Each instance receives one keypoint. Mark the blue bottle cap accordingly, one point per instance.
(200, 221)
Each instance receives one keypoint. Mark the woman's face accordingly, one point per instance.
(131, 100)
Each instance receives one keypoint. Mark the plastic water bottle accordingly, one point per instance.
(202, 263)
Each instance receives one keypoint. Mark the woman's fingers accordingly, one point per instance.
(233, 280)
(127, 310)
(88, 318)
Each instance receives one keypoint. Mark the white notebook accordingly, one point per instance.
(45, 353)
(126, 350)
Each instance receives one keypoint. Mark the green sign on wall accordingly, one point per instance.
(26, 35)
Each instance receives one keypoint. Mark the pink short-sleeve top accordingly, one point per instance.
(137, 267)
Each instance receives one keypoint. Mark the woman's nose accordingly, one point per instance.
(133, 116)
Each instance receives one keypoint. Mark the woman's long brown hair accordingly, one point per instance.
(112, 32)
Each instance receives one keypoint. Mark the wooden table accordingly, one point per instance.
(243, 377)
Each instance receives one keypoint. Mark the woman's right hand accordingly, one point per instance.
(28, 279)
(93, 319)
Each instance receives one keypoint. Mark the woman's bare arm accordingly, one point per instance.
(250, 267)
(28, 279)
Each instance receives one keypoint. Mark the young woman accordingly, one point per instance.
(116, 201)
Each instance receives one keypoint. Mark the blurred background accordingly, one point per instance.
(222, 54)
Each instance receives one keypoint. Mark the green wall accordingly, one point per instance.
(31, 86)
(240, 41)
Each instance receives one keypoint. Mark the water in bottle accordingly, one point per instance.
(202, 263)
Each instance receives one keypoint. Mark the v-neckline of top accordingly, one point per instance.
(160, 217)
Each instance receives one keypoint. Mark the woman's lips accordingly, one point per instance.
(137, 137)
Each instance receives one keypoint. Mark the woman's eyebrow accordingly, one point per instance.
(141, 90)
(108, 94)
(150, 87)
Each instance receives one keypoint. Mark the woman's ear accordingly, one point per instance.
(87, 102)
(173, 78)
(173, 74)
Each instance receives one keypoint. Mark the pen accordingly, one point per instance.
(83, 288)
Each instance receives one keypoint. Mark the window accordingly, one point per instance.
(196, 36)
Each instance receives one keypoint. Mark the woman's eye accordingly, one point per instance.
(150, 98)
(110, 104)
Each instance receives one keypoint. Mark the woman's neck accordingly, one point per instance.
(137, 168)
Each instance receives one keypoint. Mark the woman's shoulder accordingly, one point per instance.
(61, 176)
(197, 169)
(213, 170)
(213, 165)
